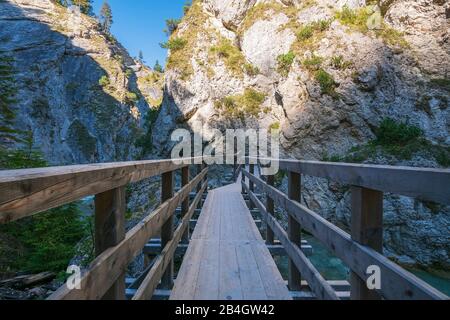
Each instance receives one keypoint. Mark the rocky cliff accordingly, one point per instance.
(329, 74)
(72, 88)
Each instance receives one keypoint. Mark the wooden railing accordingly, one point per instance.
(361, 249)
(27, 192)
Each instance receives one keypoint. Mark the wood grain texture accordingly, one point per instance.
(294, 230)
(106, 268)
(27, 192)
(165, 259)
(366, 229)
(167, 184)
(317, 283)
(270, 209)
(396, 283)
(227, 258)
(110, 209)
(422, 183)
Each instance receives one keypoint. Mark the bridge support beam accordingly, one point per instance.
(110, 207)
(366, 229)
(294, 230)
(167, 228)
(270, 207)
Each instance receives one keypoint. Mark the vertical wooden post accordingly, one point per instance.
(251, 186)
(199, 186)
(185, 204)
(270, 207)
(366, 229)
(205, 179)
(243, 178)
(294, 230)
(167, 228)
(110, 207)
(235, 168)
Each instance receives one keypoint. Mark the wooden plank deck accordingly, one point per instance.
(227, 258)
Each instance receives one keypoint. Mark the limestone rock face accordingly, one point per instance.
(264, 42)
(230, 12)
(58, 57)
(346, 76)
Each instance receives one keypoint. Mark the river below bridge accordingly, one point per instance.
(332, 268)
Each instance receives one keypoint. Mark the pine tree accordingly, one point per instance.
(64, 3)
(158, 67)
(171, 26)
(141, 57)
(187, 6)
(85, 5)
(106, 17)
(8, 90)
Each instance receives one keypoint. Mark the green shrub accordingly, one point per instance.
(131, 97)
(441, 83)
(49, 239)
(326, 81)
(322, 25)
(338, 62)
(251, 70)
(104, 81)
(275, 126)
(232, 56)
(391, 132)
(241, 106)
(174, 44)
(356, 18)
(305, 32)
(145, 141)
(313, 63)
(129, 73)
(399, 140)
(285, 62)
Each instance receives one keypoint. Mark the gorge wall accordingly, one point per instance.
(74, 88)
(328, 74)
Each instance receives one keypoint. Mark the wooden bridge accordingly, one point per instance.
(226, 257)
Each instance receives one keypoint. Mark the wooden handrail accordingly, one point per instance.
(318, 284)
(396, 283)
(148, 286)
(423, 183)
(30, 191)
(107, 267)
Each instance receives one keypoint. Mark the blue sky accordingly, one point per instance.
(139, 24)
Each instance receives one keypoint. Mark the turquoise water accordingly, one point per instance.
(440, 283)
(333, 268)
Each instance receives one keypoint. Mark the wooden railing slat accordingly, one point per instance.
(162, 262)
(316, 282)
(423, 183)
(396, 283)
(106, 268)
(28, 194)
